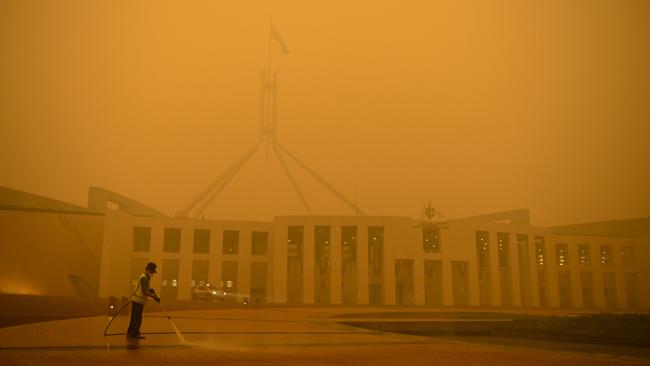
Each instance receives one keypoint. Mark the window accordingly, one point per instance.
(375, 250)
(483, 263)
(201, 241)
(460, 282)
(141, 239)
(295, 240)
(606, 255)
(349, 243)
(562, 255)
(430, 240)
(112, 206)
(258, 278)
(540, 250)
(230, 242)
(230, 276)
(627, 255)
(542, 280)
(200, 272)
(483, 249)
(172, 240)
(321, 243)
(584, 255)
(503, 242)
(259, 242)
(169, 279)
(349, 282)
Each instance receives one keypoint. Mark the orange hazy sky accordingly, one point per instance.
(478, 106)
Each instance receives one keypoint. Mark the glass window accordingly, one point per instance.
(141, 239)
(259, 242)
(503, 242)
(562, 255)
(295, 240)
(321, 243)
(349, 243)
(230, 275)
(230, 242)
(375, 250)
(430, 240)
(584, 254)
(200, 270)
(540, 250)
(172, 240)
(627, 255)
(483, 249)
(201, 241)
(606, 255)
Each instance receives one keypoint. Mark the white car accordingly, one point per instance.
(207, 292)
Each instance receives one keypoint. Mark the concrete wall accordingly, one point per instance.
(119, 256)
(642, 247)
(402, 242)
(40, 250)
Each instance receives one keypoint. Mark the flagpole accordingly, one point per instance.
(267, 91)
(269, 58)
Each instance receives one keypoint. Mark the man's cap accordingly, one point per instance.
(151, 266)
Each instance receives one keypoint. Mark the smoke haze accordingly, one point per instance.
(478, 106)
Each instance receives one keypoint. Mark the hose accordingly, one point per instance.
(115, 316)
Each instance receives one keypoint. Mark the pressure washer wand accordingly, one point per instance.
(157, 299)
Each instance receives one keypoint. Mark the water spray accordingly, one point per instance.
(178, 333)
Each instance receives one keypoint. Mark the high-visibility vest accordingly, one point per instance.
(138, 295)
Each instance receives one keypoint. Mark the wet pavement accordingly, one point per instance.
(283, 336)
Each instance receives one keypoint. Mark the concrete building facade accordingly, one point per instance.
(494, 261)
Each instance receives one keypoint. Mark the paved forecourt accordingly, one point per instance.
(275, 335)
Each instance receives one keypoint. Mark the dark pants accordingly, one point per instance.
(136, 319)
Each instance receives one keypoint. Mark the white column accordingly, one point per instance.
(185, 263)
(280, 262)
(474, 296)
(389, 270)
(619, 272)
(308, 264)
(574, 268)
(362, 264)
(495, 275)
(515, 273)
(447, 283)
(418, 281)
(552, 268)
(244, 268)
(216, 257)
(335, 265)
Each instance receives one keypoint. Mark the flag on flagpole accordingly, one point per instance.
(276, 35)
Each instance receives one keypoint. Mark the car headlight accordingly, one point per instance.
(214, 292)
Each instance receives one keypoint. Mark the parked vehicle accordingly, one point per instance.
(207, 292)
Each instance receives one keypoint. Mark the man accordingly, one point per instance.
(139, 298)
